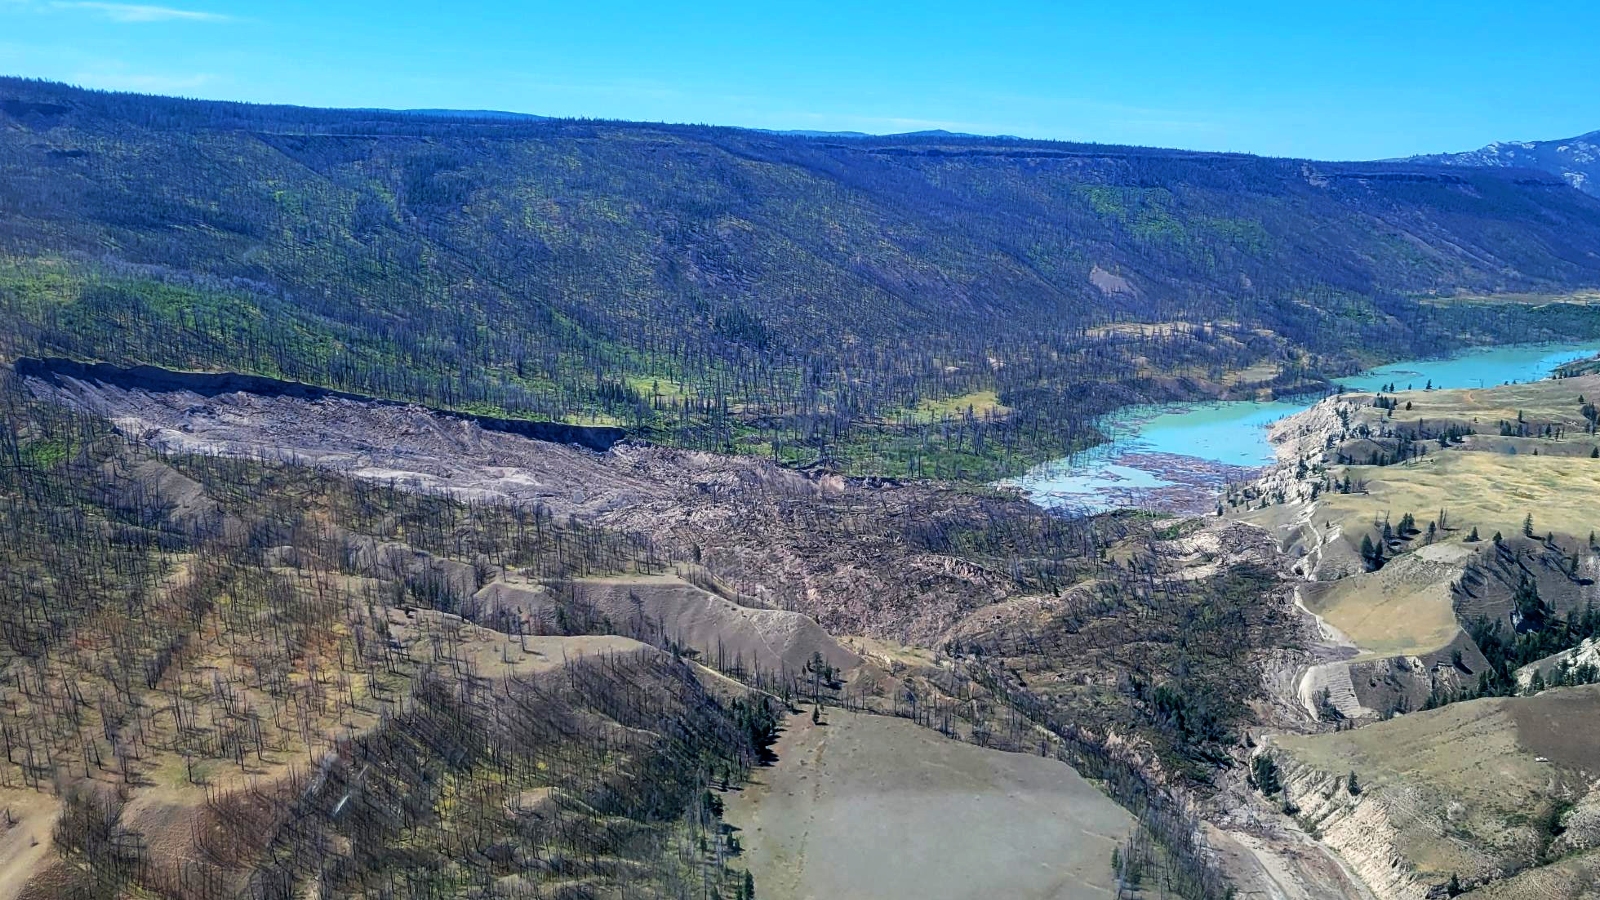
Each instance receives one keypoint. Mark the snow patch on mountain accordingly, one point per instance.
(1576, 160)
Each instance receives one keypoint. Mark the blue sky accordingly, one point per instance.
(1326, 80)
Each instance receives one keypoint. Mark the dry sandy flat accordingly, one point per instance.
(25, 846)
(873, 807)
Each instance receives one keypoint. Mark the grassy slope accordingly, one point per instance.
(1480, 789)
(1485, 482)
(1471, 787)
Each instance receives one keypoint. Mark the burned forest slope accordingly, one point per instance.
(930, 305)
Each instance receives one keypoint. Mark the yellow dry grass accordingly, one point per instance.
(1403, 609)
(1491, 491)
(1406, 607)
(1468, 773)
(25, 846)
(1554, 401)
(1572, 878)
(1262, 371)
(889, 653)
(486, 653)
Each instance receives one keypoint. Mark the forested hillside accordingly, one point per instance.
(928, 305)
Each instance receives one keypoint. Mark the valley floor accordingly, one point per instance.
(866, 806)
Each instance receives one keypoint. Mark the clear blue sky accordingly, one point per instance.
(1329, 80)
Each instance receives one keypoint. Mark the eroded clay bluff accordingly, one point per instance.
(1439, 540)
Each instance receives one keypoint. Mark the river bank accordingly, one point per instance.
(1178, 457)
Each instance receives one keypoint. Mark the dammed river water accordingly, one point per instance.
(1178, 456)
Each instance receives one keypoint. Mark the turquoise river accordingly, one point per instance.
(1178, 456)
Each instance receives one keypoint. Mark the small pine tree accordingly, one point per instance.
(1266, 775)
(1473, 537)
(1527, 526)
(1529, 606)
(1353, 785)
(1369, 551)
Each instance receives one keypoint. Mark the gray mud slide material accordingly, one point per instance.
(58, 372)
(872, 807)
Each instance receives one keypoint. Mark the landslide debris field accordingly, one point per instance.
(227, 677)
(867, 807)
(780, 538)
(270, 640)
(1162, 659)
(1113, 644)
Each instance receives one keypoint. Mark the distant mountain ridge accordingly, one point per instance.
(931, 132)
(476, 114)
(1575, 159)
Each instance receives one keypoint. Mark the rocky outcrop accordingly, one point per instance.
(1362, 828)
